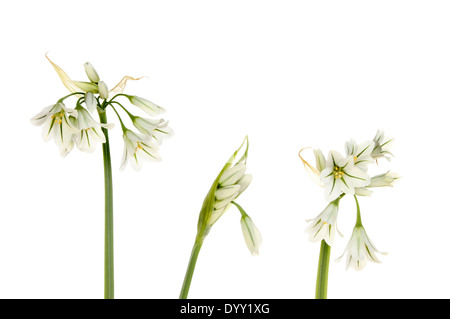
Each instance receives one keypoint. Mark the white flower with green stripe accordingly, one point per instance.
(324, 226)
(360, 249)
(342, 176)
(89, 132)
(57, 123)
(361, 153)
(382, 146)
(138, 148)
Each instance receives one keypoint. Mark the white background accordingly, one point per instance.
(290, 74)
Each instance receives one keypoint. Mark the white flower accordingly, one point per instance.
(383, 180)
(324, 226)
(252, 236)
(90, 101)
(382, 146)
(157, 129)
(361, 153)
(146, 105)
(137, 149)
(89, 131)
(57, 121)
(341, 176)
(360, 250)
(91, 72)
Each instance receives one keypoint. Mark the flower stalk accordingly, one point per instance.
(191, 267)
(109, 229)
(322, 271)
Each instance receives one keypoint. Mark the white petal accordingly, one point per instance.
(91, 102)
(252, 236)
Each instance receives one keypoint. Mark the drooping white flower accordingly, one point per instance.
(387, 179)
(360, 249)
(89, 131)
(146, 105)
(361, 153)
(158, 129)
(382, 146)
(90, 101)
(57, 122)
(252, 236)
(324, 226)
(342, 176)
(136, 149)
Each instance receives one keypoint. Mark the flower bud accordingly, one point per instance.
(234, 174)
(251, 234)
(383, 180)
(146, 105)
(225, 192)
(320, 160)
(91, 73)
(86, 86)
(103, 90)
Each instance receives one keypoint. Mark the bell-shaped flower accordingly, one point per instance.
(382, 146)
(89, 131)
(145, 105)
(137, 149)
(58, 124)
(360, 249)
(324, 226)
(342, 176)
(387, 179)
(252, 236)
(361, 153)
(158, 129)
(90, 101)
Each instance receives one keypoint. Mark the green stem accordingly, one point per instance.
(109, 237)
(190, 270)
(322, 271)
(358, 214)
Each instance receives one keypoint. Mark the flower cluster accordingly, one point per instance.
(229, 184)
(348, 175)
(75, 126)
